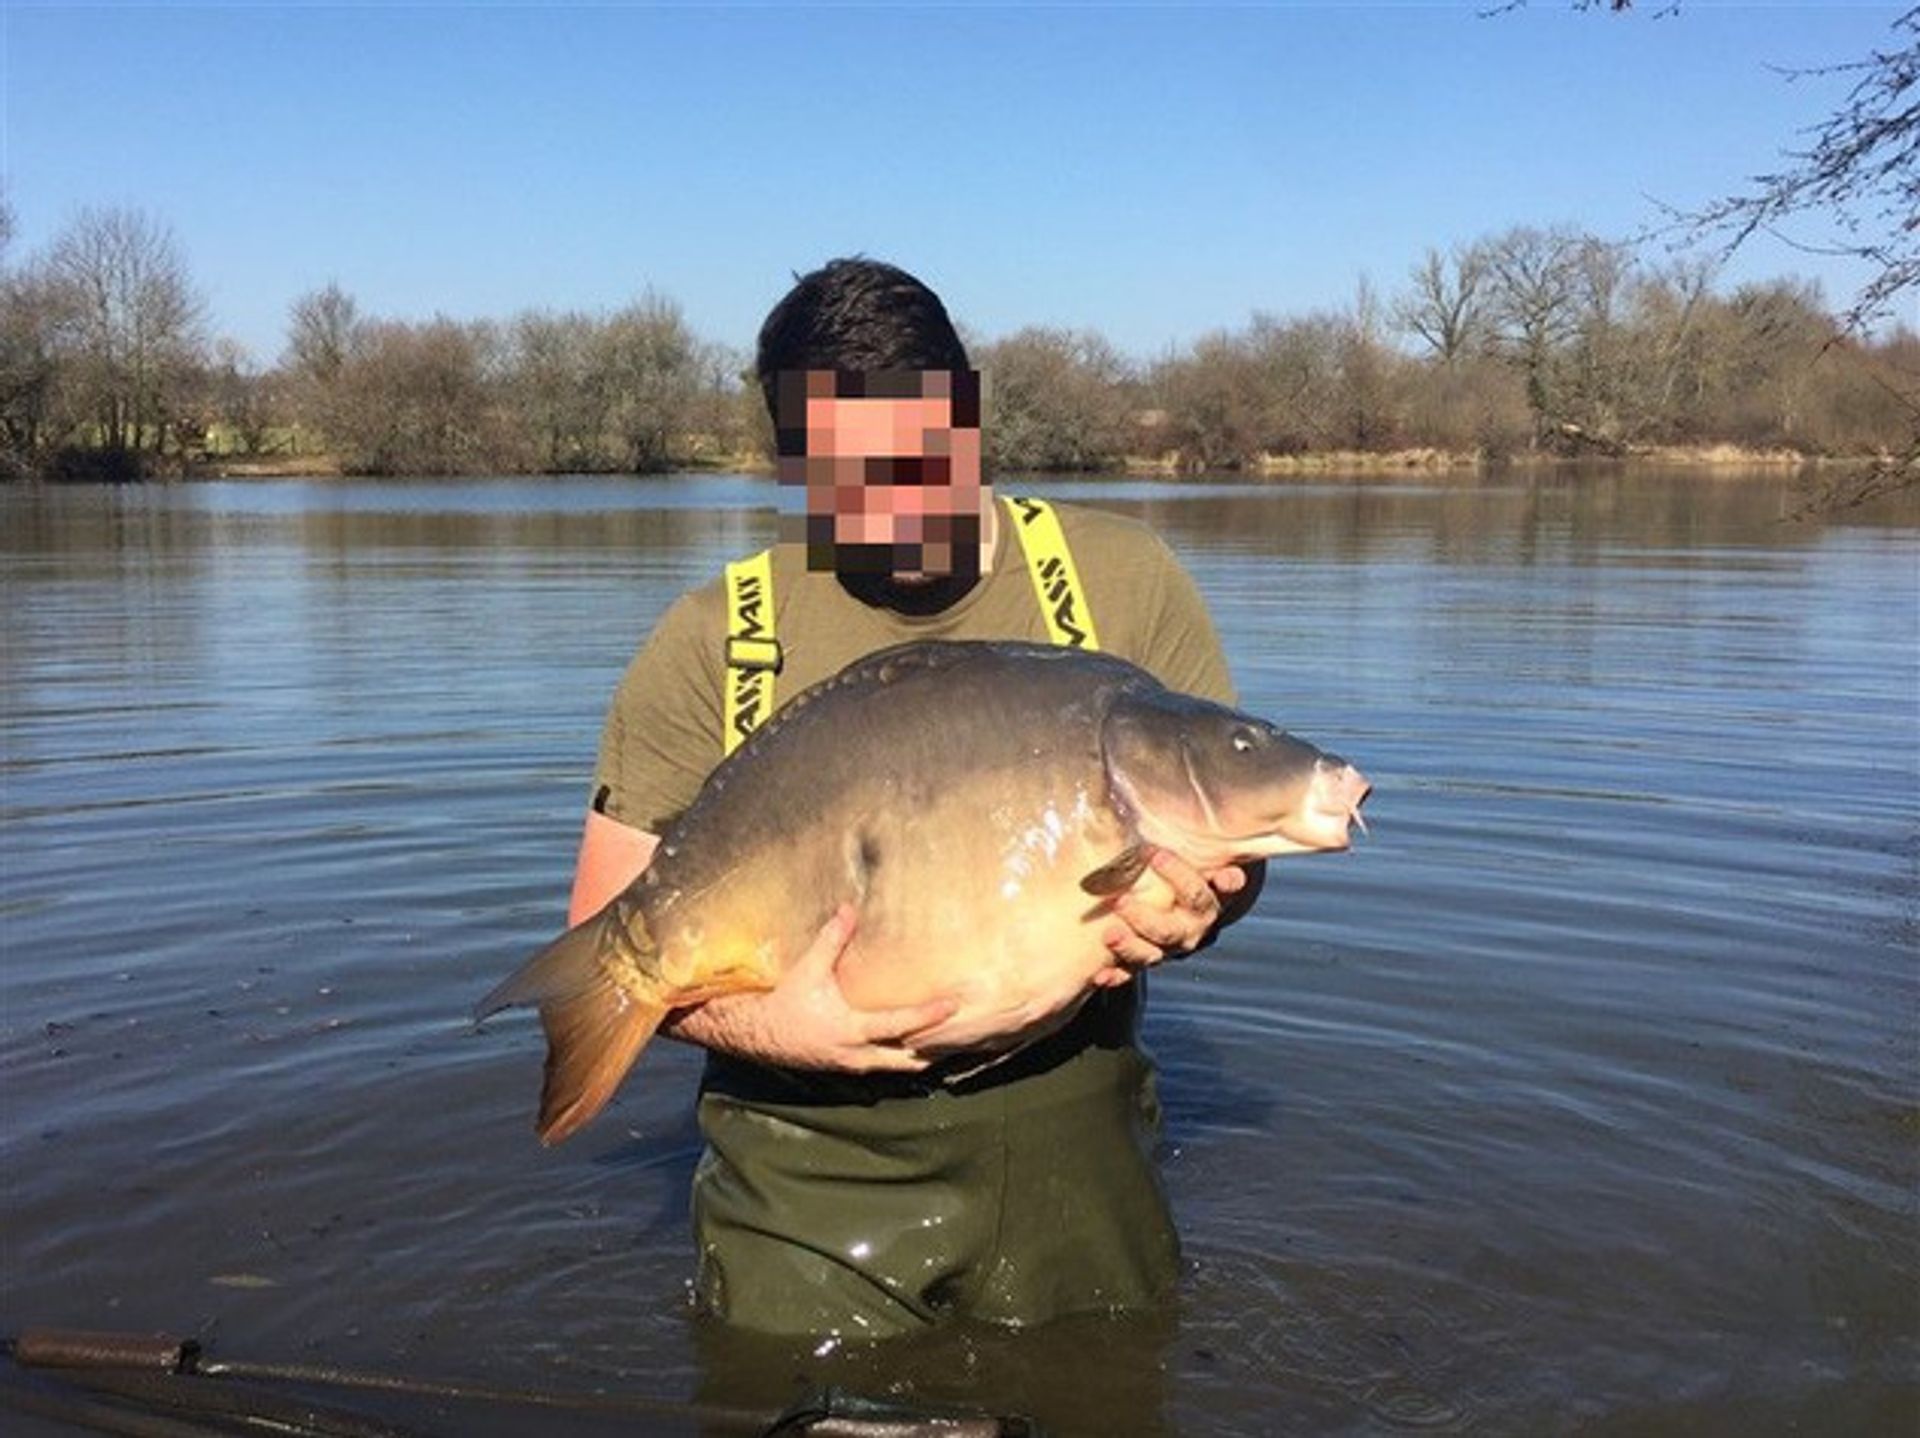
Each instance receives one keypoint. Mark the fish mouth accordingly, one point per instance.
(1325, 822)
(1334, 802)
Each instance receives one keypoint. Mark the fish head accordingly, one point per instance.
(1219, 786)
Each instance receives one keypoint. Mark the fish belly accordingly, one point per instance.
(980, 901)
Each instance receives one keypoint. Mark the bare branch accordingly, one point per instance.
(1859, 173)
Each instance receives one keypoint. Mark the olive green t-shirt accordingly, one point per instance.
(663, 731)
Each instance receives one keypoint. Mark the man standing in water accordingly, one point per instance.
(850, 1186)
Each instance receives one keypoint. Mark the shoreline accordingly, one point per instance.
(1356, 465)
(1437, 461)
(1321, 463)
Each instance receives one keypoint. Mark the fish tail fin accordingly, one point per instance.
(595, 1026)
(592, 1040)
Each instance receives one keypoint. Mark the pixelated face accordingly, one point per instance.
(889, 462)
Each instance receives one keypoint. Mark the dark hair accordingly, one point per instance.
(855, 314)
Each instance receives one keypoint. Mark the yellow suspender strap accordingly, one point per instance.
(753, 653)
(753, 649)
(1056, 582)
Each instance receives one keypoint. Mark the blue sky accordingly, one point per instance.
(1154, 172)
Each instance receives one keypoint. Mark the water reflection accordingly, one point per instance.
(1586, 1092)
(1521, 520)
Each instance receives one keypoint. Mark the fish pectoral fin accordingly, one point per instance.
(1117, 876)
(687, 997)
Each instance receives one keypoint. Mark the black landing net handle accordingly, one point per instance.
(176, 1377)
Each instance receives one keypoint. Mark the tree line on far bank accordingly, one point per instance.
(1535, 341)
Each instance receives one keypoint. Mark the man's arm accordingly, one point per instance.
(612, 855)
(803, 1021)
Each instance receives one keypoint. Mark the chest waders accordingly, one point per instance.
(873, 1205)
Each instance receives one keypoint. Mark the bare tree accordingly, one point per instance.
(137, 318)
(1290, 383)
(415, 399)
(728, 417)
(653, 368)
(37, 324)
(320, 333)
(1534, 302)
(1366, 373)
(1057, 400)
(1774, 336)
(1280, 386)
(1595, 401)
(1208, 408)
(1668, 366)
(1446, 308)
(557, 398)
(1857, 182)
(242, 398)
(1861, 174)
(325, 334)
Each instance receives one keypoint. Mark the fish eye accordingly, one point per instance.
(1243, 740)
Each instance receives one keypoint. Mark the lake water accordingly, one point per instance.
(1583, 1097)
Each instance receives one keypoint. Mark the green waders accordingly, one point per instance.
(874, 1206)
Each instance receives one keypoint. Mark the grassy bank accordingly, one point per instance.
(1439, 461)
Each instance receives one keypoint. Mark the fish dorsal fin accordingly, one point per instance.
(883, 666)
(1117, 875)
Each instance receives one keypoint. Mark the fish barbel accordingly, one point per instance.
(979, 803)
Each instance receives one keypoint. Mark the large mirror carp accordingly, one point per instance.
(980, 804)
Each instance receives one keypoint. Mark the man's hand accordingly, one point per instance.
(805, 1022)
(1179, 917)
